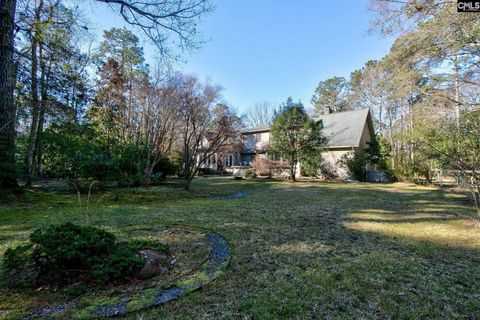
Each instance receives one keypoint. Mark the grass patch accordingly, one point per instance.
(304, 250)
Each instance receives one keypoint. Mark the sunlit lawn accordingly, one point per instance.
(304, 250)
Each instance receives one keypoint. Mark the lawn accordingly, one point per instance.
(303, 250)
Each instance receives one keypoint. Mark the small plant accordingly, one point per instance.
(249, 174)
(68, 253)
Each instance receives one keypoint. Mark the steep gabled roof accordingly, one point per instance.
(344, 129)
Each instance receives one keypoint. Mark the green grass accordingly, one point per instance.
(304, 250)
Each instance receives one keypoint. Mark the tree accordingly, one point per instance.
(369, 90)
(46, 53)
(432, 74)
(167, 24)
(260, 115)
(204, 126)
(160, 122)
(109, 104)
(457, 147)
(331, 93)
(295, 137)
(122, 47)
(8, 174)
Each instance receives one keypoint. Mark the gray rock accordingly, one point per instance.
(151, 268)
(155, 263)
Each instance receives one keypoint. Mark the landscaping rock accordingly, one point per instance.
(155, 263)
(151, 268)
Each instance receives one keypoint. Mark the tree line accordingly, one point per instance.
(68, 109)
(73, 111)
(424, 94)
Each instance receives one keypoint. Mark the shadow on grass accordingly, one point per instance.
(312, 249)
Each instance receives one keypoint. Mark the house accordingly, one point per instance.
(346, 131)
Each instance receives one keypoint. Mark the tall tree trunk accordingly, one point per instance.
(34, 114)
(29, 161)
(293, 167)
(457, 89)
(8, 172)
(44, 83)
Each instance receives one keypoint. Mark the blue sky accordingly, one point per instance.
(261, 50)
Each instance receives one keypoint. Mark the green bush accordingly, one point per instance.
(206, 171)
(18, 266)
(355, 163)
(249, 174)
(99, 166)
(69, 253)
(131, 164)
(166, 167)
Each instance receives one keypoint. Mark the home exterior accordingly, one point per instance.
(346, 131)
(255, 143)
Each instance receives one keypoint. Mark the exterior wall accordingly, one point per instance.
(366, 136)
(332, 156)
(255, 141)
(255, 144)
(265, 137)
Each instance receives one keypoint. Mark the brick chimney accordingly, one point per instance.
(327, 110)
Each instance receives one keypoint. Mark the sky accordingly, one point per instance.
(268, 50)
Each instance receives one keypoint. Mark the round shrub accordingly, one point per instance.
(69, 253)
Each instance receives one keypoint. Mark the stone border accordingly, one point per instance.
(216, 264)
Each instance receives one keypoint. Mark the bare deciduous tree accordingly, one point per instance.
(261, 114)
(159, 20)
(160, 124)
(204, 125)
